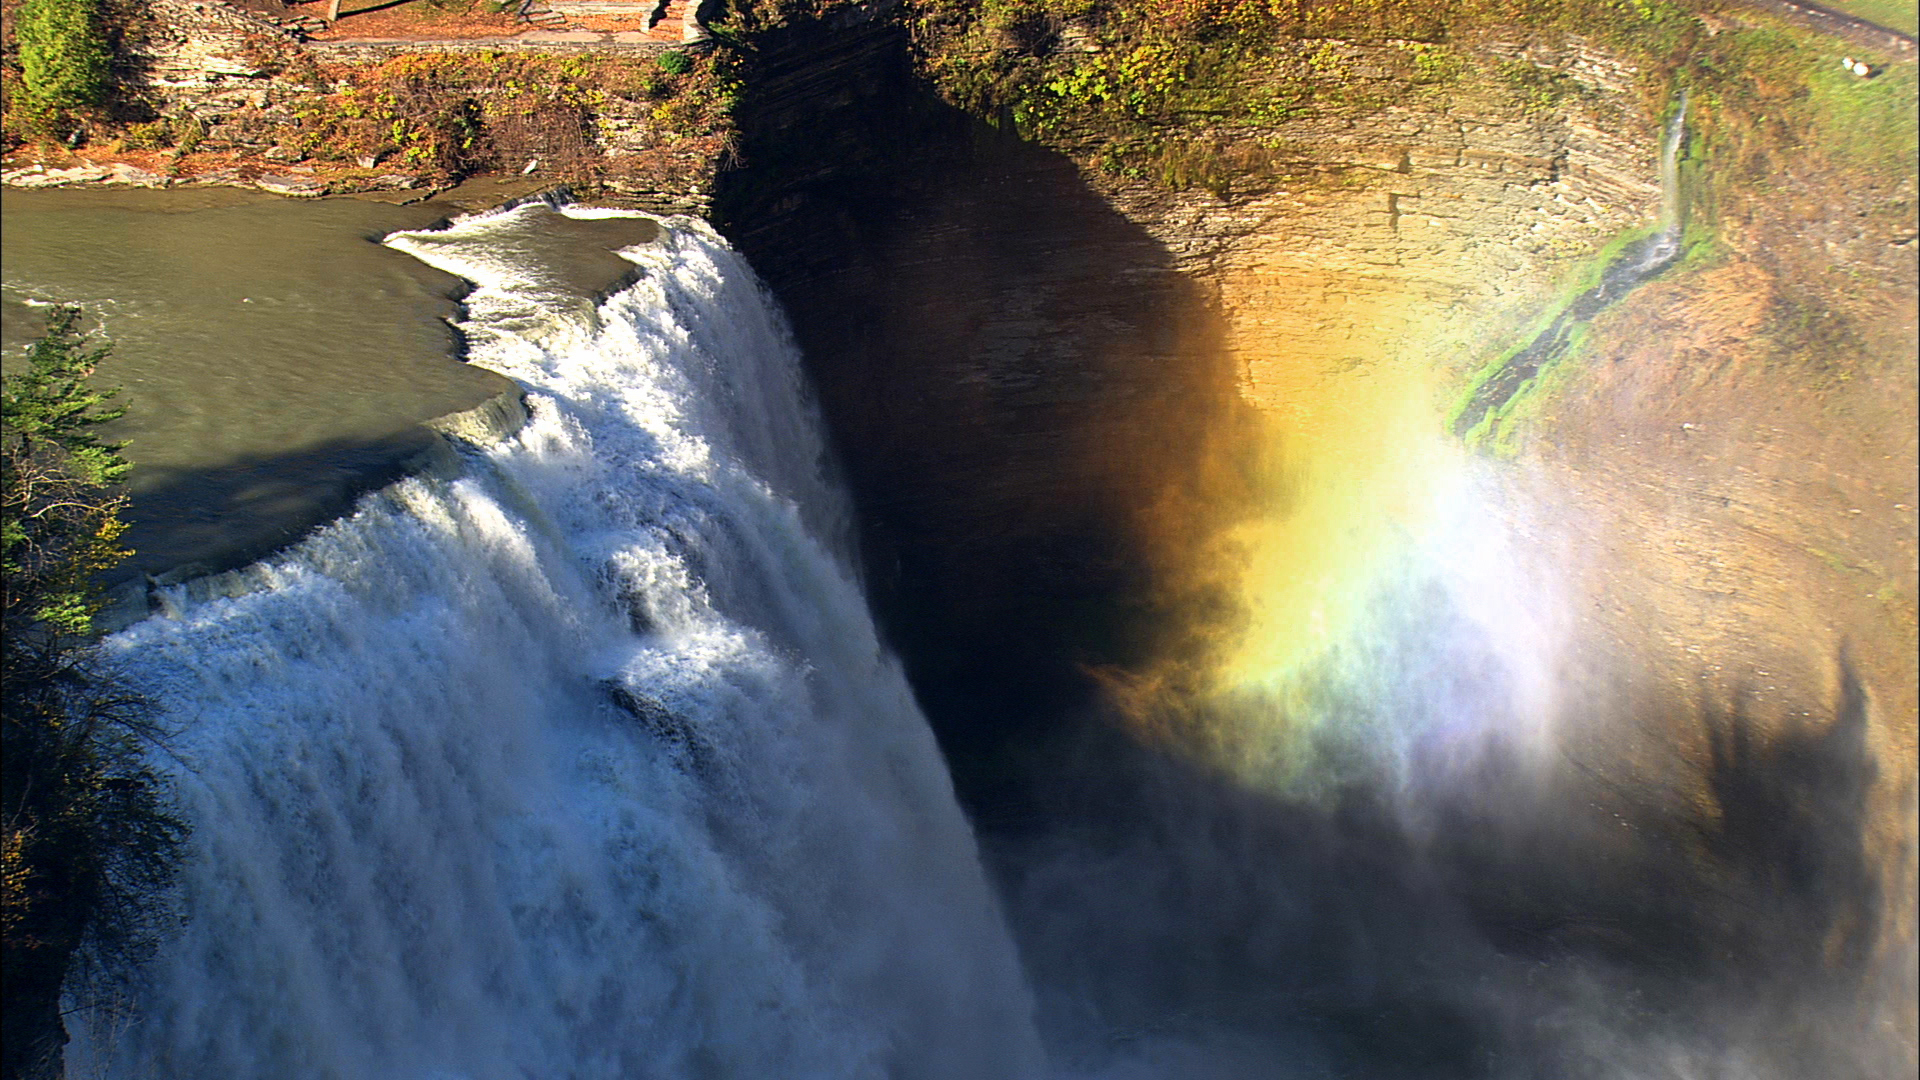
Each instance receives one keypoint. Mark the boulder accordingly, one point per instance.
(133, 175)
(298, 187)
(38, 177)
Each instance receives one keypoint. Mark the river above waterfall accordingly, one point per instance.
(585, 760)
(275, 360)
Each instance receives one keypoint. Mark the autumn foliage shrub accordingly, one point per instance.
(453, 115)
(64, 57)
(63, 68)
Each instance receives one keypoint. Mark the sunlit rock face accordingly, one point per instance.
(1022, 356)
(1726, 493)
(1635, 684)
(1353, 294)
(1059, 392)
(1417, 227)
(1689, 576)
(1741, 572)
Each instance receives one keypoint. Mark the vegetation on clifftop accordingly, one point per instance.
(454, 114)
(1191, 92)
(657, 121)
(1185, 93)
(1188, 92)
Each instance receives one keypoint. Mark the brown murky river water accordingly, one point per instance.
(274, 358)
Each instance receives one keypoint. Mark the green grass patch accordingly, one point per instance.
(1700, 224)
(1773, 97)
(1834, 561)
(1501, 431)
(1864, 123)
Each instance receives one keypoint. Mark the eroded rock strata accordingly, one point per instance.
(1018, 354)
(1050, 384)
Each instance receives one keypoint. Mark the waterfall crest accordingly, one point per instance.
(587, 762)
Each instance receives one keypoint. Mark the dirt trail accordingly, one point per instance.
(1828, 21)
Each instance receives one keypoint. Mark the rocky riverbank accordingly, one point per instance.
(212, 95)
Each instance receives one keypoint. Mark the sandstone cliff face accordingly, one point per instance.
(1023, 361)
(1415, 225)
(1741, 445)
(1052, 388)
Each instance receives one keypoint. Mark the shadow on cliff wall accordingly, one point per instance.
(1012, 373)
(1793, 814)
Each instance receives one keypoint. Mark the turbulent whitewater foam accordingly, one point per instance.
(586, 763)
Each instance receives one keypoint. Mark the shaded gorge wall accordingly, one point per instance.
(1014, 372)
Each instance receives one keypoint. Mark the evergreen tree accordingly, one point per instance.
(58, 484)
(89, 842)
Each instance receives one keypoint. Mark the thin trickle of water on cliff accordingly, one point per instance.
(586, 762)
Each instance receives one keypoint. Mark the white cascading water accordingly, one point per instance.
(585, 763)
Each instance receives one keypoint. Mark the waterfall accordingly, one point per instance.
(585, 762)
(1672, 211)
(1664, 247)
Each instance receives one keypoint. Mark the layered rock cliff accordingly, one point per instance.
(1055, 386)
(1026, 360)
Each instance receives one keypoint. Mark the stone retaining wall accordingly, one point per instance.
(578, 42)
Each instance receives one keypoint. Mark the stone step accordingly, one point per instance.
(298, 25)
